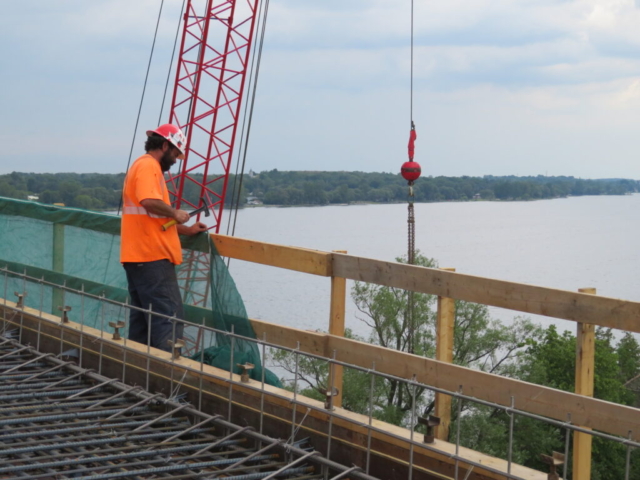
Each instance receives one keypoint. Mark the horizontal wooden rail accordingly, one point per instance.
(578, 307)
(291, 258)
(548, 402)
(551, 302)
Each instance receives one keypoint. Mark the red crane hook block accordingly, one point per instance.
(411, 170)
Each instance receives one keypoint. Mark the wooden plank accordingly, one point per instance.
(310, 342)
(291, 258)
(445, 323)
(585, 365)
(590, 412)
(576, 306)
(336, 327)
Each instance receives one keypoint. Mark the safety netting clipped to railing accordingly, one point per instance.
(45, 247)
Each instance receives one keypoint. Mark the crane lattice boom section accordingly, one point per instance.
(207, 97)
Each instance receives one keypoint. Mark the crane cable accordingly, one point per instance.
(135, 129)
(411, 148)
(255, 68)
(144, 89)
(411, 74)
(173, 54)
(411, 222)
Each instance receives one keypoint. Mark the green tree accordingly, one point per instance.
(550, 360)
(487, 194)
(340, 194)
(316, 188)
(628, 357)
(276, 197)
(69, 190)
(83, 201)
(314, 194)
(50, 196)
(481, 342)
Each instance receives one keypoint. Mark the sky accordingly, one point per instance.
(500, 87)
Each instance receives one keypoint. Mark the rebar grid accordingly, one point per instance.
(145, 436)
(470, 465)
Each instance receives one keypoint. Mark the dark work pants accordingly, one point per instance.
(155, 284)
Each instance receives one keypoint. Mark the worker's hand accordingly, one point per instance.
(191, 230)
(198, 227)
(181, 216)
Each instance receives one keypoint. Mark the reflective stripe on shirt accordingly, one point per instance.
(130, 210)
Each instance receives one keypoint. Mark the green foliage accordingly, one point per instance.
(94, 191)
(384, 310)
(318, 188)
(628, 352)
(550, 360)
(90, 191)
(312, 188)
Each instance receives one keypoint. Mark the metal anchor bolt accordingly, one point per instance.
(64, 310)
(176, 348)
(430, 422)
(329, 394)
(20, 296)
(244, 375)
(116, 329)
(554, 461)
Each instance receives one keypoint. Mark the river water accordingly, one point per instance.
(565, 243)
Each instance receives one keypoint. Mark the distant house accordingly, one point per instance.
(253, 200)
(252, 174)
(477, 196)
(34, 198)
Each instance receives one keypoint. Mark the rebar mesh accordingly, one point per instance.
(73, 423)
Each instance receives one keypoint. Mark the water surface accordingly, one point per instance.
(562, 243)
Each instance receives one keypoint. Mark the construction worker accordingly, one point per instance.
(148, 253)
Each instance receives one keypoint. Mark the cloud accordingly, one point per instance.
(500, 86)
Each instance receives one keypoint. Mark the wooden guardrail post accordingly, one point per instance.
(585, 364)
(336, 327)
(57, 266)
(445, 323)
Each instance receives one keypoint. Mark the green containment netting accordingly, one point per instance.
(43, 247)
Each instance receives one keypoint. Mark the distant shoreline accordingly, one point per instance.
(274, 188)
(495, 200)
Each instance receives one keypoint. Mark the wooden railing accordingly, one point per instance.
(583, 307)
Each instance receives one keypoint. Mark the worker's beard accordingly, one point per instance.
(166, 161)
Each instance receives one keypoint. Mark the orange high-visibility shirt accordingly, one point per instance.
(142, 237)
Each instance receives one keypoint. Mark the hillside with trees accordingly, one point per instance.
(323, 188)
(95, 191)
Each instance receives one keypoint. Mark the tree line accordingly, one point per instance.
(323, 188)
(94, 191)
(521, 350)
(89, 191)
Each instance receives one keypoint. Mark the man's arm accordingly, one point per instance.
(158, 207)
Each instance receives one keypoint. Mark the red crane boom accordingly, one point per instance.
(210, 77)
